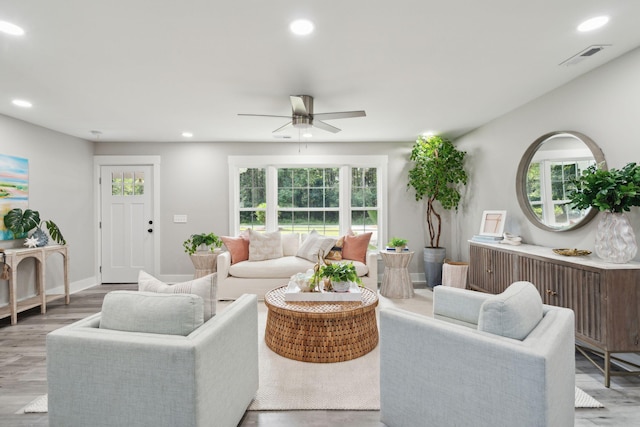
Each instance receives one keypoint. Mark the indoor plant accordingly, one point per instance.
(397, 243)
(613, 192)
(21, 223)
(436, 177)
(340, 275)
(204, 261)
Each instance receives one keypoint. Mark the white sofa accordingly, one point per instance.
(258, 277)
(461, 368)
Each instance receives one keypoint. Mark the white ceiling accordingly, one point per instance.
(148, 70)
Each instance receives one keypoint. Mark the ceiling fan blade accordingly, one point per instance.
(297, 106)
(264, 115)
(340, 115)
(325, 126)
(283, 127)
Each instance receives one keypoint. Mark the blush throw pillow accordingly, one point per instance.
(264, 246)
(314, 245)
(355, 247)
(205, 287)
(150, 312)
(238, 247)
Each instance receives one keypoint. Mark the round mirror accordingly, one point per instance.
(544, 178)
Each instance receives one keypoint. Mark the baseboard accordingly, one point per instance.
(77, 286)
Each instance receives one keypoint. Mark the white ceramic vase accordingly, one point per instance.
(615, 239)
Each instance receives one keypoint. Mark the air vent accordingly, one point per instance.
(586, 53)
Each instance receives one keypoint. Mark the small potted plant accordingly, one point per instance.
(339, 276)
(397, 243)
(21, 223)
(203, 249)
(613, 192)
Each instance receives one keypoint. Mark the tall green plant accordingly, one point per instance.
(437, 176)
(613, 190)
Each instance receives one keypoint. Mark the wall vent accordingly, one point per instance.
(584, 54)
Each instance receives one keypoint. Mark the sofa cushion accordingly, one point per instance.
(355, 247)
(314, 245)
(290, 243)
(264, 246)
(238, 247)
(335, 254)
(205, 287)
(284, 268)
(150, 312)
(513, 313)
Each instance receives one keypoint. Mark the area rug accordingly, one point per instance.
(354, 385)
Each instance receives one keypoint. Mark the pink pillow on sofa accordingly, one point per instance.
(238, 247)
(355, 247)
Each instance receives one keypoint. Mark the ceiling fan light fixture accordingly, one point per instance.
(593, 23)
(9, 28)
(301, 27)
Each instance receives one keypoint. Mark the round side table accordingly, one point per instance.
(396, 282)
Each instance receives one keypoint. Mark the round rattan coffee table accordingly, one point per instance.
(321, 332)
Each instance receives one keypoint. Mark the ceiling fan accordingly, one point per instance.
(302, 115)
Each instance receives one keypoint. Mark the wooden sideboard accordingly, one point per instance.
(605, 297)
(13, 257)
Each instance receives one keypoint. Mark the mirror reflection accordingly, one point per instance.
(545, 177)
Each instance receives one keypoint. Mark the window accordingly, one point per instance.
(329, 194)
(127, 183)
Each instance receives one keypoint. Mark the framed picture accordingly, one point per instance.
(493, 223)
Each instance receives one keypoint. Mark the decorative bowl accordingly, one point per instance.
(572, 252)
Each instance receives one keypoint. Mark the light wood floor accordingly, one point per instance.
(23, 377)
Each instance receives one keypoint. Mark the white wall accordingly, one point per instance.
(194, 181)
(603, 104)
(60, 188)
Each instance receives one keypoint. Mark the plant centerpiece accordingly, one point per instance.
(613, 192)
(337, 276)
(203, 250)
(437, 176)
(397, 243)
(21, 223)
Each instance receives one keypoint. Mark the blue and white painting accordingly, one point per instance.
(14, 188)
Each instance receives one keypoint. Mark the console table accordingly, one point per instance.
(13, 258)
(605, 297)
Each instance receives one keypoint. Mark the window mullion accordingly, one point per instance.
(271, 222)
(345, 199)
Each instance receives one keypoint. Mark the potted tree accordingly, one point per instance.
(437, 176)
(21, 223)
(613, 192)
(203, 249)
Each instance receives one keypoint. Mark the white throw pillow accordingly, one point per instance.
(152, 312)
(315, 244)
(513, 313)
(205, 287)
(264, 245)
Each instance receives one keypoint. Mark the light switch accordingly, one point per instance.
(179, 218)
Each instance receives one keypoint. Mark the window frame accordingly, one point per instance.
(343, 163)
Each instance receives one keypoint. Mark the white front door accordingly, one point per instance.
(126, 222)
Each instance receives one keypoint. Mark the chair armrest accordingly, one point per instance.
(457, 305)
(372, 264)
(224, 262)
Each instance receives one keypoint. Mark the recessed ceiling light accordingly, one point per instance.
(593, 23)
(428, 133)
(187, 134)
(301, 27)
(9, 28)
(307, 135)
(22, 103)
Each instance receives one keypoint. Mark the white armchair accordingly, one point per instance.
(458, 370)
(99, 376)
